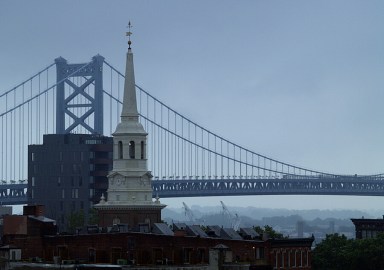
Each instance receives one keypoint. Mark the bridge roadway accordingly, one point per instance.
(336, 185)
(13, 194)
(16, 194)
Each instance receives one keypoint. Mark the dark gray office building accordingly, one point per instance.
(68, 174)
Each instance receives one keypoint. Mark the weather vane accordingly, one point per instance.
(129, 33)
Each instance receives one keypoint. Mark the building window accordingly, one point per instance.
(75, 193)
(276, 260)
(33, 157)
(301, 258)
(132, 149)
(59, 181)
(32, 195)
(63, 194)
(200, 255)
(120, 150)
(91, 193)
(260, 253)
(33, 181)
(91, 180)
(93, 142)
(61, 168)
(92, 255)
(35, 168)
(116, 220)
(80, 181)
(72, 181)
(187, 254)
(82, 156)
(117, 197)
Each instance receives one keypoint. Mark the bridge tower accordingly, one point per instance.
(130, 183)
(67, 118)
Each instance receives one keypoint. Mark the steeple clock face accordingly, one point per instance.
(118, 181)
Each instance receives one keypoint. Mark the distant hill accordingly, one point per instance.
(282, 219)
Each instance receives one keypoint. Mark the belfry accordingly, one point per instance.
(129, 199)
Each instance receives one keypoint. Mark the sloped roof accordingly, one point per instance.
(229, 233)
(195, 230)
(179, 226)
(214, 229)
(42, 219)
(162, 228)
(249, 232)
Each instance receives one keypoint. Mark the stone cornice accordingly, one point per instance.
(129, 207)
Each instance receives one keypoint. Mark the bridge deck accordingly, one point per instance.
(15, 194)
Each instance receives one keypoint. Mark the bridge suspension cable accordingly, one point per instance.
(178, 147)
(182, 149)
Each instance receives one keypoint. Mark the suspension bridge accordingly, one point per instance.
(185, 158)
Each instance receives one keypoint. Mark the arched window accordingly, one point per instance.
(120, 150)
(132, 149)
(142, 150)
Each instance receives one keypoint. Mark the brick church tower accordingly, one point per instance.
(129, 199)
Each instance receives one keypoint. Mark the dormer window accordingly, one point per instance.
(132, 149)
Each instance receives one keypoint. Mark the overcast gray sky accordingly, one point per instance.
(300, 81)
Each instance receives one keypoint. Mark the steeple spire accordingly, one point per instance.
(129, 111)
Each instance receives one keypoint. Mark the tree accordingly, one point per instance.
(330, 253)
(338, 252)
(269, 231)
(75, 219)
(93, 217)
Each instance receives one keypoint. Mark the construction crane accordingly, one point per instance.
(234, 219)
(188, 213)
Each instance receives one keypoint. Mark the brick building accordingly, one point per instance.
(36, 237)
(367, 227)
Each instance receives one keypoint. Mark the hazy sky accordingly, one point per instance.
(299, 81)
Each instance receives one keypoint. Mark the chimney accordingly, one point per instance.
(33, 210)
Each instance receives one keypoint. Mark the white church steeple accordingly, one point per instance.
(130, 187)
